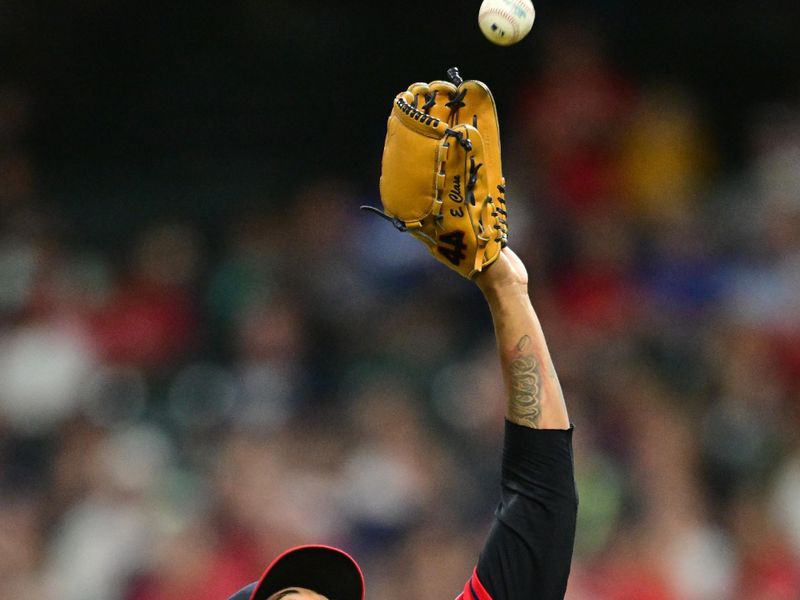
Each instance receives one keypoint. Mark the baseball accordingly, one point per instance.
(505, 22)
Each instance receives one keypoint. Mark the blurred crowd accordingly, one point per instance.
(173, 416)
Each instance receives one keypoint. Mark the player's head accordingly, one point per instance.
(309, 573)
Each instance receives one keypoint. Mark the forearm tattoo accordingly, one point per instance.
(525, 400)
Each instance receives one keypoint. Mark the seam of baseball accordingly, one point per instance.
(512, 20)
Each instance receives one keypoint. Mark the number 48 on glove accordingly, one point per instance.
(441, 178)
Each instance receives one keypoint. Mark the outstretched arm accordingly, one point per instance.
(529, 549)
(448, 134)
(534, 393)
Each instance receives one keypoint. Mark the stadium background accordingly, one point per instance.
(208, 354)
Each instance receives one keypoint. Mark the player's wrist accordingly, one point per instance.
(505, 277)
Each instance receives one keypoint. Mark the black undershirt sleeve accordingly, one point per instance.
(528, 552)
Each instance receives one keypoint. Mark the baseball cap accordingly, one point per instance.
(323, 569)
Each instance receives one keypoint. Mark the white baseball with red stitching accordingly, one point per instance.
(506, 22)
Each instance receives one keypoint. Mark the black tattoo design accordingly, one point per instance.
(525, 402)
(523, 342)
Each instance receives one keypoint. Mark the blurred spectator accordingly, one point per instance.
(572, 117)
(664, 154)
(107, 532)
(151, 319)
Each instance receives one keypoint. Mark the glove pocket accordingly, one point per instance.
(409, 170)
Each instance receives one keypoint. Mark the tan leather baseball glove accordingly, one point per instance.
(441, 177)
